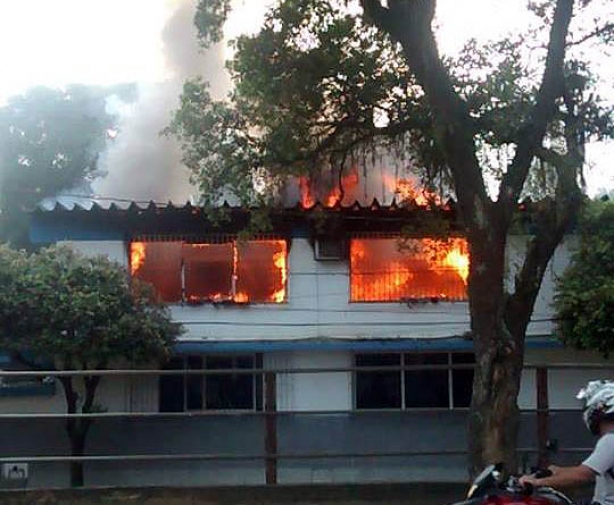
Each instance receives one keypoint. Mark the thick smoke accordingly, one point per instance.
(141, 164)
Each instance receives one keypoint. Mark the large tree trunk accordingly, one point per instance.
(494, 415)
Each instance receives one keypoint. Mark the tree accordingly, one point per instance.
(584, 299)
(50, 139)
(323, 83)
(78, 313)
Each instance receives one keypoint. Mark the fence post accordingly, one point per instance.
(542, 416)
(270, 422)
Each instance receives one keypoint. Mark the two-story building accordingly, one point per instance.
(348, 348)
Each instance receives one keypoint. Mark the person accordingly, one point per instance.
(598, 415)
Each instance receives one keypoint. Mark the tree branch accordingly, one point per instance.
(553, 219)
(603, 30)
(532, 135)
(409, 22)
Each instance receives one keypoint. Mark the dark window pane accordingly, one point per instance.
(426, 388)
(378, 390)
(208, 271)
(229, 391)
(194, 393)
(172, 387)
(462, 380)
(158, 263)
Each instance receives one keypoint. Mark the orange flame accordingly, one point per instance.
(408, 190)
(307, 198)
(241, 297)
(280, 262)
(137, 256)
(349, 183)
(459, 261)
(380, 271)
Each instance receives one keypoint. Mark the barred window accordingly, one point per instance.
(388, 269)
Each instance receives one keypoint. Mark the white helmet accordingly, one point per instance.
(598, 399)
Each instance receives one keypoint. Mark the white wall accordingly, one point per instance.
(313, 391)
(115, 250)
(318, 304)
(318, 307)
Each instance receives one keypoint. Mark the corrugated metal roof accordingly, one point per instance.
(91, 204)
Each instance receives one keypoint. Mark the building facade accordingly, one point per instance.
(328, 350)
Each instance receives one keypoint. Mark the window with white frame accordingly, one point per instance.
(413, 380)
(229, 389)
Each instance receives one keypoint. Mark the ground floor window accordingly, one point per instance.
(226, 390)
(386, 383)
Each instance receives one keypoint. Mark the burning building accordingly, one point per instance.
(341, 319)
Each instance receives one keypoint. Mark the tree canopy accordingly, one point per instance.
(326, 83)
(319, 87)
(50, 139)
(585, 293)
(66, 311)
(79, 312)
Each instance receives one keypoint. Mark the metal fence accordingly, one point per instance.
(274, 440)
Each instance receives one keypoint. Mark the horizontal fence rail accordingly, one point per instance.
(262, 371)
(271, 415)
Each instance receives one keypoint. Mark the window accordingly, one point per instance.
(158, 263)
(231, 271)
(379, 389)
(223, 391)
(399, 388)
(388, 269)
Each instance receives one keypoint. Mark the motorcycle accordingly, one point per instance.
(489, 488)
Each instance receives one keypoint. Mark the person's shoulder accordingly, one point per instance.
(606, 441)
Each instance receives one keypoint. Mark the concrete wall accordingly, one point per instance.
(318, 304)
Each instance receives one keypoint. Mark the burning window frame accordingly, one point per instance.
(238, 291)
(395, 284)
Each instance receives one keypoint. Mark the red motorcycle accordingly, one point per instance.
(489, 488)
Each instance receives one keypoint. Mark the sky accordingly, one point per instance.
(57, 42)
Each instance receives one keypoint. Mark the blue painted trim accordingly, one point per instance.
(375, 345)
(62, 229)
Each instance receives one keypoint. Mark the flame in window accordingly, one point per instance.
(459, 261)
(241, 298)
(383, 270)
(238, 272)
(281, 263)
(137, 256)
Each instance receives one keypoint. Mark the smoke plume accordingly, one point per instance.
(140, 164)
